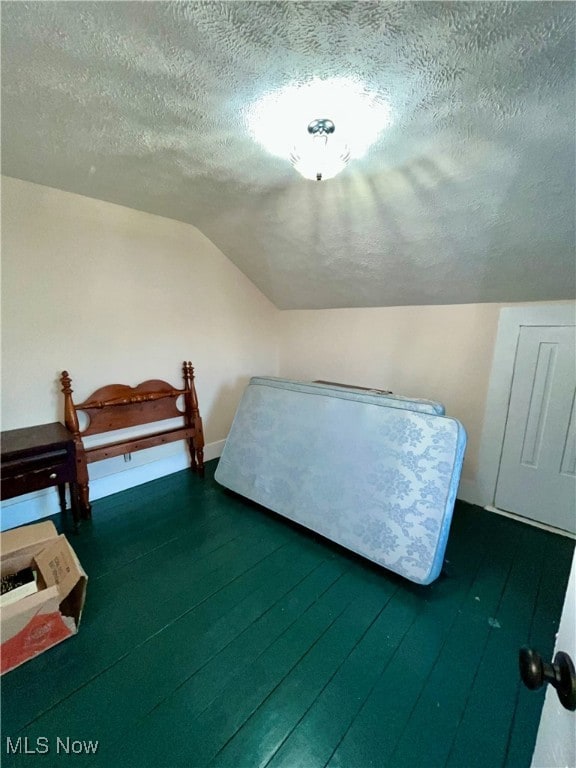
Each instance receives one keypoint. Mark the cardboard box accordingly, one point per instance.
(36, 622)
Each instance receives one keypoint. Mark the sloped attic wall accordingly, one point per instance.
(84, 281)
(115, 295)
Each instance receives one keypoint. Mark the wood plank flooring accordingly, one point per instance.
(217, 634)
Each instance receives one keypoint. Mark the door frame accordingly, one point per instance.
(510, 322)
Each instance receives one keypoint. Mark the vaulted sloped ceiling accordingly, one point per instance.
(467, 196)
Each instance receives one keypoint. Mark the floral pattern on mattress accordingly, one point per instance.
(378, 480)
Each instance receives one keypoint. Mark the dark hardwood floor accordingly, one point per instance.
(217, 634)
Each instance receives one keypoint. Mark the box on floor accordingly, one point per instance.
(39, 621)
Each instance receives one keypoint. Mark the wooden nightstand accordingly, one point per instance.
(39, 457)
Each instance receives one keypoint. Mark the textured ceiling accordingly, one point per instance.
(467, 196)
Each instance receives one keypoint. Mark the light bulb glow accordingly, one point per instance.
(279, 120)
(320, 157)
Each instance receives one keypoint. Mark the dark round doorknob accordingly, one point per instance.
(561, 674)
(531, 668)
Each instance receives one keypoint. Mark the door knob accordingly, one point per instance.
(561, 674)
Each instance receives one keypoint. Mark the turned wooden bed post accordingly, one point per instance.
(194, 419)
(71, 421)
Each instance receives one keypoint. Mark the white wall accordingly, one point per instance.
(442, 353)
(113, 294)
(116, 295)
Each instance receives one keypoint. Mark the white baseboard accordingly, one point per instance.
(469, 491)
(533, 523)
(113, 476)
(106, 478)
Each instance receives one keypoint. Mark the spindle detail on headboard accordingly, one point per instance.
(119, 406)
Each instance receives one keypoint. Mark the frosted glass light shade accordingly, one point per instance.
(320, 156)
(278, 121)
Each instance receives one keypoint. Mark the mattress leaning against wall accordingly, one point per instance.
(378, 480)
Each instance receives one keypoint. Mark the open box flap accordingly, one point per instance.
(58, 565)
(26, 536)
(20, 545)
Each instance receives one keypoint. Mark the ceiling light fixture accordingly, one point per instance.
(319, 157)
(349, 120)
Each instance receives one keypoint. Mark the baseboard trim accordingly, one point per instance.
(533, 523)
(35, 506)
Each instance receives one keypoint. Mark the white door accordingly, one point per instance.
(556, 741)
(537, 475)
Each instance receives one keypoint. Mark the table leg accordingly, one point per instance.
(62, 496)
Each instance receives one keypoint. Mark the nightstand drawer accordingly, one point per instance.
(34, 479)
(35, 458)
(32, 463)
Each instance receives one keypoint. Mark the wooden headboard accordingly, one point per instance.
(118, 406)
